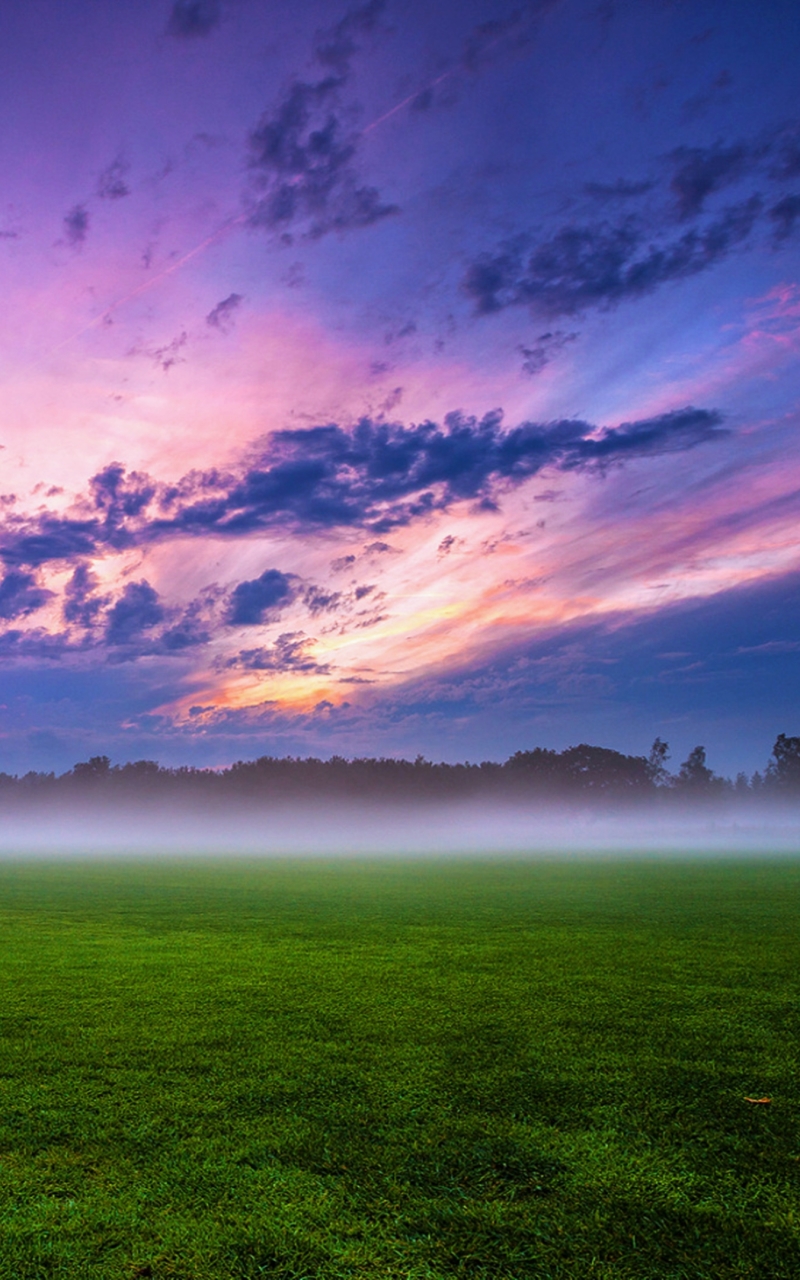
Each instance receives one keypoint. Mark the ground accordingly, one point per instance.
(416, 1070)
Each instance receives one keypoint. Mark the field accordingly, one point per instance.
(379, 1070)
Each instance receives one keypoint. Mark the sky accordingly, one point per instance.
(398, 379)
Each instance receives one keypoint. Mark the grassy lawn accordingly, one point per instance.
(419, 1070)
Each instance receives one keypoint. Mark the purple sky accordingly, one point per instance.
(400, 378)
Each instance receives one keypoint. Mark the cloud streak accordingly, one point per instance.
(374, 476)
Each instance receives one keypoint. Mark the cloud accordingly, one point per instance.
(167, 356)
(601, 265)
(252, 602)
(501, 36)
(619, 190)
(787, 150)
(546, 346)
(20, 595)
(137, 610)
(288, 653)
(302, 153)
(376, 475)
(221, 316)
(76, 225)
(81, 603)
(379, 475)
(336, 46)
(191, 18)
(698, 172)
(111, 184)
(699, 103)
(131, 621)
(318, 601)
(301, 161)
(35, 643)
(784, 215)
(342, 563)
(724, 666)
(189, 631)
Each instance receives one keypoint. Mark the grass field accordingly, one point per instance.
(384, 1070)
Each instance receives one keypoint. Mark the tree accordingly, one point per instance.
(94, 767)
(784, 767)
(660, 775)
(695, 776)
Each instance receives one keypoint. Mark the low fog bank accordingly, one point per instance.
(581, 800)
(466, 829)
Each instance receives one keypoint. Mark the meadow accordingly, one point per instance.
(411, 1070)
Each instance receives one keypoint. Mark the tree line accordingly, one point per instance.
(584, 770)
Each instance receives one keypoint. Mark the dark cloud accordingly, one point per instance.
(336, 46)
(784, 215)
(302, 154)
(603, 264)
(343, 562)
(698, 172)
(598, 264)
(288, 653)
(47, 537)
(194, 18)
(502, 36)
(81, 602)
(168, 355)
(35, 643)
(117, 493)
(76, 225)
(130, 624)
(383, 474)
(785, 154)
(619, 190)
(301, 159)
(111, 184)
(20, 595)
(221, 316)
(487, 43)
(318, 601)
(376, 475)
(188, 632)
(255, 601)
(544, 349)
(136, 611)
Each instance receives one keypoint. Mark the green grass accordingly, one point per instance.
(421, 1070)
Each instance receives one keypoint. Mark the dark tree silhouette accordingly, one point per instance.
(695, 775)
(583, 774)
(784, 767)
(657, 770)
(96, 768)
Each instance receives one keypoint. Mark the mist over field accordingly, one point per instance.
(540, 802)
(432, 829)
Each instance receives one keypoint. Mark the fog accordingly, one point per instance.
(352, 830)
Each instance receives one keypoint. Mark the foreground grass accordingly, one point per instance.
(509, 1070)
